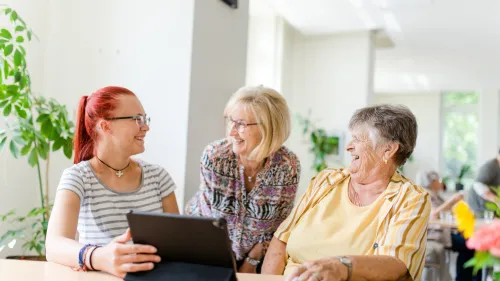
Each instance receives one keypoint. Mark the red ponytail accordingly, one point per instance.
(91, 109)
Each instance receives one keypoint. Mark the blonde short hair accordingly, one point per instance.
(270, 110)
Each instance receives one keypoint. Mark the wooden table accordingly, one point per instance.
(17, 270)
(453, 225)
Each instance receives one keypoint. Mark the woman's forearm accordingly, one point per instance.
(63, 250)
(376, 268)
(274, 262)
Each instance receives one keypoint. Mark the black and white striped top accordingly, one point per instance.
(102, 210)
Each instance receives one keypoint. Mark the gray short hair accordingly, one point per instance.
(391, 123)
(425, 178)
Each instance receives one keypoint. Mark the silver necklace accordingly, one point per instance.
(119, 173)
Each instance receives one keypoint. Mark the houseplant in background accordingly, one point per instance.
(322, 144)
(34, 126)
(464, 171)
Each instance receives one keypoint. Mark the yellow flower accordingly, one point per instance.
(465, 219)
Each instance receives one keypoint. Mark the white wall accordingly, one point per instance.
(264, 45)
(331, 75)
(427, 109)
(404, 69)
(182, 63)
(489, 118)
(132, 44)
(218, 69)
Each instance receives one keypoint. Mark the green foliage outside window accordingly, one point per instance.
(460, 128)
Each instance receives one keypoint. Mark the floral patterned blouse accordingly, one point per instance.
(254, 216)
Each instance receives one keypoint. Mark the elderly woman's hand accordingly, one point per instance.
(327, 269)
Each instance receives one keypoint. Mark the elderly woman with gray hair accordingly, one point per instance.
(366, 222)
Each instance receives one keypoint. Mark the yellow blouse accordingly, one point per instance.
(325, 223)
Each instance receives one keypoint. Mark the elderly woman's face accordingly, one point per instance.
(243, 131)
(365, 156)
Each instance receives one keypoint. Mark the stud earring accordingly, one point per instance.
(385, 161)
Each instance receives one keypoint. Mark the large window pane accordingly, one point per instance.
(460, 129)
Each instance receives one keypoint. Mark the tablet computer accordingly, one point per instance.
(186, 239)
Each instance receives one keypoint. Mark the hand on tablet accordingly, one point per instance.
(118, 258)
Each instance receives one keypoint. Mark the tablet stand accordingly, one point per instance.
(179, 271)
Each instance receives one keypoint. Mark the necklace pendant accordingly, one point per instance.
(119, 174)
(249, 179)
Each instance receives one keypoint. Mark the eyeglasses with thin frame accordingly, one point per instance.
(239, 125)
(140, 120)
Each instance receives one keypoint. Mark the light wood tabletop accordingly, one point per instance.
(453, 225)
(17, 270)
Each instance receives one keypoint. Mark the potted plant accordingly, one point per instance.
(463, 172)
(322, 144)
(34, 126)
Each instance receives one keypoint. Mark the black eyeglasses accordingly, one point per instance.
(141, 120)
(239, 125)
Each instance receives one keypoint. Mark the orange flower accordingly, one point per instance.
(465, 219)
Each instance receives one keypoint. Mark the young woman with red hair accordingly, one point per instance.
(95, 194)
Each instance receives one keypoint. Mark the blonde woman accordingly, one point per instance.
(249, 178)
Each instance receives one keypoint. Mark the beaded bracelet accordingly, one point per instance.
(81, 258)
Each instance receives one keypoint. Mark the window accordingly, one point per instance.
(460, 123)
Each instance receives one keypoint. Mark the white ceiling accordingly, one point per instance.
(439, 44)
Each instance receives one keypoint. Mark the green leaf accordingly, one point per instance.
(58, 144)
(22, 50)
(20, 39)
(491, 206)
(12, 89)
(21, 112)
(7, 11)
(13, 16)
(19, 140)
(26, 149)
(6, 69)
(20, 28)
(7, 110)
(43, 150)
(2, 143)
(5, 34)
(4, 103)
(42, 118)
(22, 83)
(8, 50)
(46, 128)
(314, 137)
(45, 224)
(18, 58)
(13, 149)
(68, 149)
(17, 76)
(33, 158)
(29, 33)
(480, 260)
